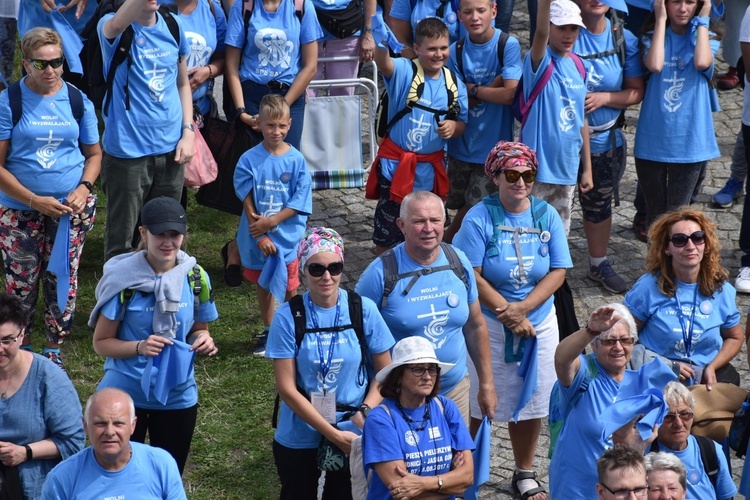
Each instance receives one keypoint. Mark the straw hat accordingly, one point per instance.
(715, 409)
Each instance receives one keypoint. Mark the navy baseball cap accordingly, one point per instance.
(164, 214)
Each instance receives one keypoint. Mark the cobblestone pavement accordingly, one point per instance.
(349, 213)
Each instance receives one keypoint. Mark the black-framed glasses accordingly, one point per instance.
(512, 176)
(639, 492)
(9, 341)
(318, 270)
(680, 239)
(612, 341)
(419, 371)
(42, 64)
(685, 416)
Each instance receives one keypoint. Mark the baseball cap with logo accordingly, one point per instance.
(564, 13)
(164, 214)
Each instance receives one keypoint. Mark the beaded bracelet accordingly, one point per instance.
(138, 348)
(31, 200)
(210, 72)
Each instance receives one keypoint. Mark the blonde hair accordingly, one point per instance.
(273, 107)
(39, 37)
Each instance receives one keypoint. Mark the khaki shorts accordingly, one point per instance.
(468, 184)
(460, 395)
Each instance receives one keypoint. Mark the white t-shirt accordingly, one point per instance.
(745, 38)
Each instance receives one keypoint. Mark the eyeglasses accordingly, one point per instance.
(419, 371)
(512, 176)
(639, 492)
(680, 239)
(42, 64)
(8, 341)
(685, 416)
(622, 340)
(318, 270)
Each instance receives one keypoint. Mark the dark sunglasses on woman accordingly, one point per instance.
(680, 239)
(512, 176)
(41, 64)
(318, 270)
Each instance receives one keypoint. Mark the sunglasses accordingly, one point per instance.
(318, 270)
(512, 176)
(612, 342)
(680, 239)
(685, 416)
(42, 64)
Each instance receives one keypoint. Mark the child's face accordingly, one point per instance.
(275, 129)
(680, 12)
(562, 38)
(477, 16)
(432, 54)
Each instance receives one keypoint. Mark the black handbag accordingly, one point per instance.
(10, 483)
(227, 142)
(567, 322)
(345, 22)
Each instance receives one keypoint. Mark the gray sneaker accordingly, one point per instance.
(604, 274)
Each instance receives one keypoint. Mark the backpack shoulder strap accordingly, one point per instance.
(390, 274)
(709, 458)
(412, 97)
(618, 36)
(16, 106)
(300, 321)
(440, 403)
(539, 213)
(654, 447)
(497, 215)
(591, 372)
(501, 41)
(455, 262)
(451, 87)
(247, 13)
(356, 316)
(579, 65)
(460, 55)
(299, 9)
(122, 54)
(76, 102)
(174, 28)
(526, 104)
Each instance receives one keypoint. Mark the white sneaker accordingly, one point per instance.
(742, 283)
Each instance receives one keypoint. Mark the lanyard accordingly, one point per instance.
(325, 366)
(687, 335)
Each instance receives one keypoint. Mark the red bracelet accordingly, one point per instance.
(262, 240)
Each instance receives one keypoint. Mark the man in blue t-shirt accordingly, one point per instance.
(145, 148)
(621, 469)
(113, 467)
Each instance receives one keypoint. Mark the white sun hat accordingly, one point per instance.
(412, 351)
(564, 13)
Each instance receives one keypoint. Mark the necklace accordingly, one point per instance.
(4, 393)
(413, 424)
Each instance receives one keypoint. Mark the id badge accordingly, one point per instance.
(325, 404)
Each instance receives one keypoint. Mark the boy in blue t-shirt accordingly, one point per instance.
(274, 185)
(556, 127)
(412, 154)
(490, 86)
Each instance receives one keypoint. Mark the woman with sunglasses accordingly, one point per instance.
(684, 307)
(518, 248)
(416, 441)
(323, 375)
(46, 184)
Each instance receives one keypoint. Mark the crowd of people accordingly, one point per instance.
(452, 323)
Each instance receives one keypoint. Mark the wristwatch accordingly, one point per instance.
(88, 185)
(188, 126)
(473, 91)
(440, 483)
(238, 112)
(365, 409)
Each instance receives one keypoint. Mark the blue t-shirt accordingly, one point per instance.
(43, 152)
(343, 376)
(426, 453)
(276, 182)
(663, 332)
(271, 46)
(699, 486)
(488, 123)
(502, 271)
(554, 123)
(31, 15)
(606, 75)
(436, 308)
(136, 324)
(205, 33)
(417, 131)
(572, 470)
(152, 125)
(401, 9)
(151, 473)
(677, 100)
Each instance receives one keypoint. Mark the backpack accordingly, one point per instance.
(708, 457)
(391, 275)
(617, 27)
(297, 308)
(247, 12)
(557, 416)
(95, 84)
(521, 106)
(198, 280)
(497, 214)
(383, 125)
(16, 105)
(501, 41)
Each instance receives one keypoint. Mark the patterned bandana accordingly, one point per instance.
(507, 155)
(317, 240)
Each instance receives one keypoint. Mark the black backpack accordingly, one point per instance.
(708, 457)
(501, 41)
(16, 105)
(95, 84)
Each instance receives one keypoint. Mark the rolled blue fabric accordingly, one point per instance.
(481, 456)
(59, 261)
(528, 371)
(382, 33)
(72, 45)
(274, 276)
(617, 5)
(172, 367)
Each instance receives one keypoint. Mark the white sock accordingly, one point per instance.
(526, 484)
(596, 261)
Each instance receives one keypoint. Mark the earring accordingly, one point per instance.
(668, 254)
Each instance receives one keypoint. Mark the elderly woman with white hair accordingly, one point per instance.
(667, 476)
(674, 437)
(587, 385)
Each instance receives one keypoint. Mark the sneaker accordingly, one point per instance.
(57, 359)
(260, 344)
(731, 190)
(729, 80)
(742, 283)
(604, 274)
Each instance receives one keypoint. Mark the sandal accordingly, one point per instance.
(232, 272)
(639, 227)
(522, 475)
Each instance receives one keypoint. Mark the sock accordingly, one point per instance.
(596, 261)
(525, 484)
